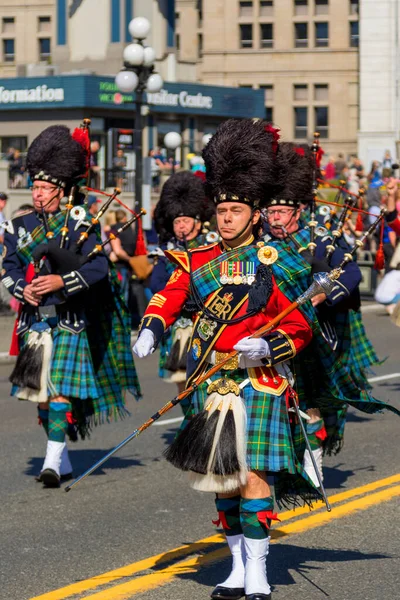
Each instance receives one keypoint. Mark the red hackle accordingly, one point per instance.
(275, 135)
(380, 255)
(299, 150)
(82, 136)
(141, 249)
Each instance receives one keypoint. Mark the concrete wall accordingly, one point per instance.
(379, 79)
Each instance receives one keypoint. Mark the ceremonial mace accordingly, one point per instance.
(323, 283)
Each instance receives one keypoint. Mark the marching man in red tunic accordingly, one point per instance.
(237, 429)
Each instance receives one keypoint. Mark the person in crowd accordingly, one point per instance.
(387, 162)
(124, 249)
(95, 169)
(330, 169)
(340, 164)
(119, 167)
(16, 169)
(93, 205)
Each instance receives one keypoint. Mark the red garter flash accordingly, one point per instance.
(321, 434)
(267, 515)
(221, 520)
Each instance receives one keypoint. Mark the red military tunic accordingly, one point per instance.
(291, 335)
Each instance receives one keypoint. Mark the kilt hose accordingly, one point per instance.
(274, 444)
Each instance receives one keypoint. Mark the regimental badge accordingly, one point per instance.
(78, 213)
(196, 348)
(24, 238)
(267, 255)
(206, 328)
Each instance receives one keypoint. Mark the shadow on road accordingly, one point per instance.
(83, 459)
(334, 478)
(284, 560)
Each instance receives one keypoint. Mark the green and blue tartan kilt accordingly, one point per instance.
(274, 445)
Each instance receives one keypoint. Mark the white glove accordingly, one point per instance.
(253, 348)
(144, 344)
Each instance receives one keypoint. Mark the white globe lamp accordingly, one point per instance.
(126, 81)
(149, 56)
(139, 28)
(154, 83)
(134, 55)
(172, 140)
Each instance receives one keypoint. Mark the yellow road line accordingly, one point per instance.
(148, 582)
(148, 563)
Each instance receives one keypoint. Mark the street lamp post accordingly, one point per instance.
(172, 141)
(138, 76)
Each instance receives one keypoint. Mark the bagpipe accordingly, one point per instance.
(336, 215)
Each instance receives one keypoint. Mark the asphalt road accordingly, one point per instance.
(137, 507)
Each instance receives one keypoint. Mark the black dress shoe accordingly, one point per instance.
(225, 593)
(65, 477)
(50, 478)
(258, 597)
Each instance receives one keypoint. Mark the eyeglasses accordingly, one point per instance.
(44, 190)
(282, 212)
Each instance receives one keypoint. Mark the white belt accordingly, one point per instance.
(245, 363)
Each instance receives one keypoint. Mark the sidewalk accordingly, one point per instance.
(6, 329)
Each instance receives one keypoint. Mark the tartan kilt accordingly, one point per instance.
(274, 444)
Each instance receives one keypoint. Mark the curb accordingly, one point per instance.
(6, 359)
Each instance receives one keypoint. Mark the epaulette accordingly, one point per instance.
(205, 247)
(178, 257)
(12, 224)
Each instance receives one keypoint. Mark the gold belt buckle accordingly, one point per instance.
(231, 365)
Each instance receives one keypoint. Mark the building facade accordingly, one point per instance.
(379, 80)
(302, 53)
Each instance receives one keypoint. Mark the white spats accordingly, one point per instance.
(65, 467)
(53, 456)
(309, 467)
(255, 579)
(236, 577)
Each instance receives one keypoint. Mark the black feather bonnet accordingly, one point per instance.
(56, 157)
(182, 196)
(240, 161)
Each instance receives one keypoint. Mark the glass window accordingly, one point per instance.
(8, 25)
(300, 7)
(18, 143)
(354, 7)
(266, 35)
(246, 36)
(177, 42)
(245, 9)
(200, 44)
(268, 92)
(8, 50)
(266, 8)
(247, 86)
(269, 114)
(300, 122)
(354, 34)
(177, 17)
(300, 92)
(44, 24)
(44, 49)
(321, 7)
(301, 35)
(321, 35)
(321, 120)
(321, 92)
